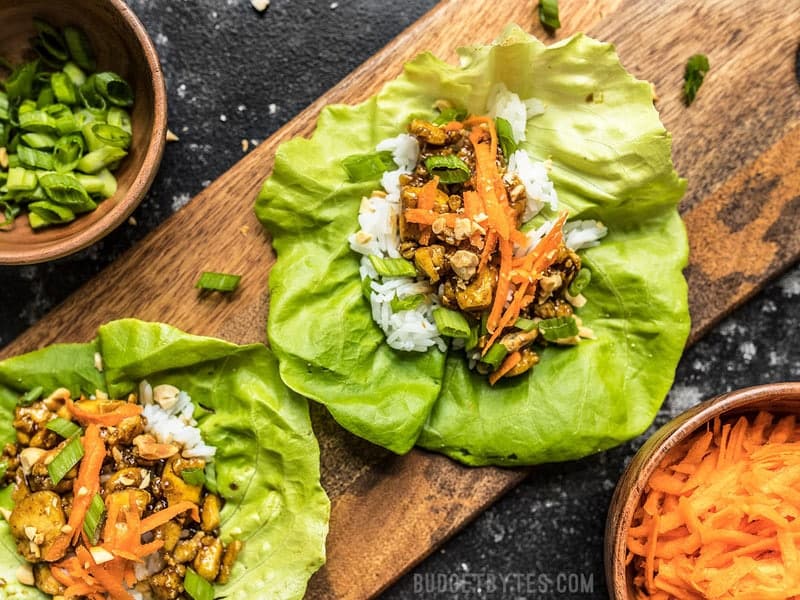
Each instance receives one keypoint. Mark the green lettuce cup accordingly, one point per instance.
(267, 458)
(611, 161)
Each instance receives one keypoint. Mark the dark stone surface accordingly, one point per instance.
(235, 74)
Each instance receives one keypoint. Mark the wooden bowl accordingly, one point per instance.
(120, 44)
(775, 397)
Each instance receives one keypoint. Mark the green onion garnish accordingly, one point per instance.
(111, 135)
(64, 428)
(197, 587)
(65, 460)
(558, 328)
(548, 14)
(114, 88)
(52, 43)
(525, 324)
(100, 159)
(580, 282)
(67, 152)
(696, 68)
(21, 179)
(219, 282)
(495, 355)
(211, 478)
(505, 136)
(368, 167)
(67, 191)
(193, 476)
(451, 323)
(407, 303)
(93, 516)
(472, 340)
(35, 159)
(450, 114)
(366, 287)
(448, 168)
(392, 267)
(31, 396)
(79, 48)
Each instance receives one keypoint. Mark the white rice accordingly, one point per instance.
(174, 423)
(539, 190)
(578, 235)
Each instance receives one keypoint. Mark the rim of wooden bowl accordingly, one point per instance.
(777, 397)
(144, 177)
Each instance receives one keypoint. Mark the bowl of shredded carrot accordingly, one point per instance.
(710, 505)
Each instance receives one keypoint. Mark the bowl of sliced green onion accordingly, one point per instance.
(83, 121)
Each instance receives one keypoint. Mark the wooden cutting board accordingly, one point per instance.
(738, 145)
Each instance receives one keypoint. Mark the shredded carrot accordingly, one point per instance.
(427, 194)
(510, 361)
(719, 517)
(453, 126)
(121, 411)
(169, 513)
(87, 483)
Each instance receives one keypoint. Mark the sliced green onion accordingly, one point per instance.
(75, 74)
(193, 476)
(548, 14)
(90, 97)
(67, 152)
(113, 88)
(20, 83)
(37, 121)
(407, 303)
(51, 39)
(211, 478)
(104, 184)
(38, 141)
(48, 213)
(119, 117)
(31, 396)
(35, 159)
(392, 267)
(64, 428)
(110, 135)
(451, 323)
(79, 48)
(448, 168)
(219, 282)
(3, 107)
(21, 180)
(69, 456)
(506, 137)
(450, 114)
(472, 340)
(100, 159)
(696, 68)
(366, 287)
(525, 324)
(46, 97)
(10, 212)
(67, 191)
(495, 355)
(97, 509)
(558, 328)
(368, 167)
(197, 587)
(580, 282)
(484, 320)
(63, 88)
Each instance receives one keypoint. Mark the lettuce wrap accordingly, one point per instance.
(267, 460)
(611, 161)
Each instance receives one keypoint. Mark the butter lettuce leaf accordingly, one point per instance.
(267, 460)
(611, 160)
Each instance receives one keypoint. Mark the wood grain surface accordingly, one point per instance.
(738, 145)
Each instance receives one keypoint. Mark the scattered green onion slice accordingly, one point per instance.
(505, 136)
(448, 168)
(696, 68)
(211, 478)
(548, 14)
(79, 48)
(113, 88)
(580, 282)
(64, 428)
(67, 191)
(31, 396)
(197, 587)
(75, 74)
(495, 355)
(407, 303)
(193, 476)
(20, 83)
(392, 267)
(63, 88)
(35, 159)
(111, 135)
(94, 515)
(100, 159)
(119, 117)
(37, 121)
(368, 167)
(524, 324)
(21, 179)
(46, 213)
(450, 114)
(67, 152)
(69, 456)
(558, 328)
(472, 340)
(451, 323)
(38, 141)
(219, 282)
(51, 39)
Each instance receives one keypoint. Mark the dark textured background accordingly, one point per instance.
(235, 74)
